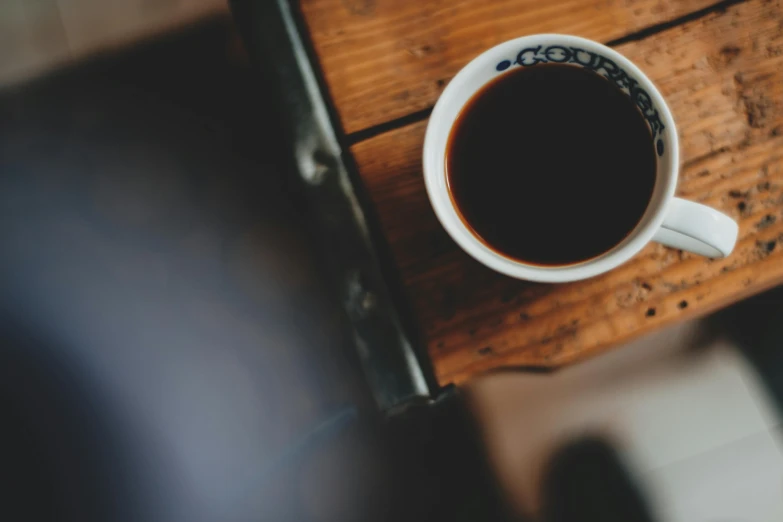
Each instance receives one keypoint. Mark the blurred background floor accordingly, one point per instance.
(37, 35)
(688, 412)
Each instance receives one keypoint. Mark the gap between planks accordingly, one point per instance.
(375, 130)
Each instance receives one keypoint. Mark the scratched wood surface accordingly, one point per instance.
(384, 59)
(721, 73)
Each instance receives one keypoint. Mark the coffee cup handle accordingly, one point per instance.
(697, 228)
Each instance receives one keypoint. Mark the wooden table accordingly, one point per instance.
(720, 66)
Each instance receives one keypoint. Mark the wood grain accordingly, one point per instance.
(384, 59)
(722, 77)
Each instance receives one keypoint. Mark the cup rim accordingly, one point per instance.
(448, 215)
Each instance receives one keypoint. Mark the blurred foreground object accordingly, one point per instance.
(172, 347)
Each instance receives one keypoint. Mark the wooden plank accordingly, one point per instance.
(384, 59)
(722, 77)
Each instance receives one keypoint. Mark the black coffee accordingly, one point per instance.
(551, 164)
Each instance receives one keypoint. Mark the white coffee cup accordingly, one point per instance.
(668, 220)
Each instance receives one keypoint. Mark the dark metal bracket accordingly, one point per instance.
(395, 371)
